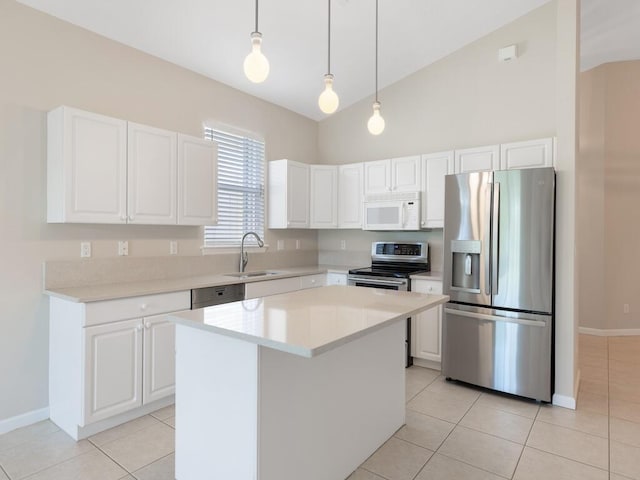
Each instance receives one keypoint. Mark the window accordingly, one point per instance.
(240, 189)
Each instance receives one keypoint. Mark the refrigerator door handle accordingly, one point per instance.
(496, 318)
(495, 253)
(487, 244)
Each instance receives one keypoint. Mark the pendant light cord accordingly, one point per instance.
(256, 30)
(329, 41)
(376, 50)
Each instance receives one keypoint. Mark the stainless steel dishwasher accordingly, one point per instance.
(209, 296)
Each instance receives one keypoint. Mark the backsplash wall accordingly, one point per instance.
(358, 246)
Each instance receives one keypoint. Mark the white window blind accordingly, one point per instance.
(240, 189)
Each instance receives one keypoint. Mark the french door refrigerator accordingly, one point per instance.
(499, 274)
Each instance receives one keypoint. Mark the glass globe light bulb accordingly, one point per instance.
(256, 65)
(376, 122)
(328, 100)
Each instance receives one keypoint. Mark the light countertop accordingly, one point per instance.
(435, 276)
(94, 293)
(309, 322)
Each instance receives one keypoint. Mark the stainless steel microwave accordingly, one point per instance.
(392, 211)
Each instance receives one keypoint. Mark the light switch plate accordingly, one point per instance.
(173, 247)
(123, 248)
(280, 245)
(85, 249)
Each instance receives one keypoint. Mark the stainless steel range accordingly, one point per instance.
(392, 264)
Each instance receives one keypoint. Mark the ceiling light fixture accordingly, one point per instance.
(328, 100)
(256, 65)
(376, 122)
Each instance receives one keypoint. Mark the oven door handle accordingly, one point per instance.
(378, 282)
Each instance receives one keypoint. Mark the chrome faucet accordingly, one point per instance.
(244, 258)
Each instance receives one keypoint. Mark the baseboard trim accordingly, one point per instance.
(564, 401)
(23, 420)
(620, 332)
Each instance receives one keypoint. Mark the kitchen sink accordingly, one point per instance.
(262, 273)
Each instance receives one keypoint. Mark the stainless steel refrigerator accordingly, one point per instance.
(499, 274)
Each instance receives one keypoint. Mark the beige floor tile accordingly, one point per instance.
(123, 430)
(142, 448)
(481, 450)
(361, 474)
(537, 465)
(397, 460)
(581, 420)
(26, 434)
(423, 430)
(128, 477)
(615, 476)
(572, 444)
(163, 469)
(440, 405)
(94, 465)
(440, 467)
(625, 460)
(3, 476)
(417, 378)
(43, 452)
(592, 341)
(454, 390)
(621, 371)
(593, 360)
(165, 412)
(594, 373)
(626, 410)
(498, 422)
(171, 421)
(519, 406)
(624, 391)
(593, 402)
(624, 431)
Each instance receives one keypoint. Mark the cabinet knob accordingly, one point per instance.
(143, 306)
(139, 328)
(147, 325)
(123, 218)
(131, 217)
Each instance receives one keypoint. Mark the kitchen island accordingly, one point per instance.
(306, 384)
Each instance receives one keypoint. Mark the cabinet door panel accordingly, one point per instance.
(323, 204)
(113, 369)
(86, 167)
(529, 154)
(405, 174)
(434, 168)
(479, 159)
(197, 181)
(350, 195)
(159, 376)
(377, 177)
(152, 175)
(298, 195)
(428, 325)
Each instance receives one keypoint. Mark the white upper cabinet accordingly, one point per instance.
(529, 154)
(323, 204)
(478, 159)
(434, 168)
(86, 167)
(377, 177)
(152, 172)
(350, 195)
(288, 190)
(197, 181)
(394, 175)
(405, 174)
(105, 170)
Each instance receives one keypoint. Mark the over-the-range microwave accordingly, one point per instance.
(392, 211)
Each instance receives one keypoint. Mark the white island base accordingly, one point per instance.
(303, 385)
(263, 414)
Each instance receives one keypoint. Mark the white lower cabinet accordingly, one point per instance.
(283, 285)
(335, 278)
(426, 327)
(111, 361)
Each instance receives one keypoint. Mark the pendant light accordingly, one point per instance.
(328, 100)
(376, 122)
(256, 65)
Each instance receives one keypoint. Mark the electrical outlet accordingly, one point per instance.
(280, 245)
(343, 244)
(625, 308)
(297, 244)
(123, 248)
(85, 249)
(173, 247)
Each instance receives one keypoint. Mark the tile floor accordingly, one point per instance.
(452, 432)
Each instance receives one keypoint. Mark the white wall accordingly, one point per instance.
(45, 63)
